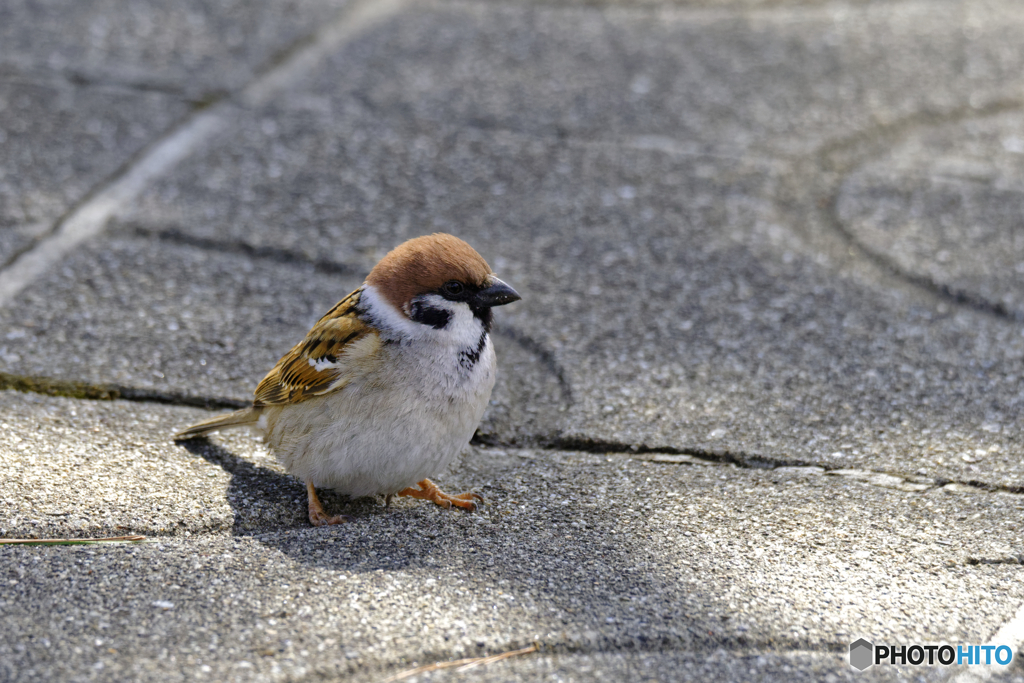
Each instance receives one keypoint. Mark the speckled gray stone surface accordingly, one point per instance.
(674, 294)
(85, 84)
(59, 141)
(784, 79)
(174, 305)
(720, 665)
(946, 206)
(193, 49)
(578, 552)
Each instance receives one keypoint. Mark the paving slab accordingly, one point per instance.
(698, 245)
(587, 555)
(670, 292)
(91, 468)
(160, 298)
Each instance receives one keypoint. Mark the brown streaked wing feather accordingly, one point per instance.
(340, 338)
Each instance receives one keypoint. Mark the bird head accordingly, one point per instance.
(437, 279)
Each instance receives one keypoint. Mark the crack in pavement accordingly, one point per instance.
(48, 386)
(546, 357)
(843, 156)
(175, 235)
(664, 455)
(656, 454)
(838, 157)
(700, 456)
(953, 294)
(11, 74)
(667, 646)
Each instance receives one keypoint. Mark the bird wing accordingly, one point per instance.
(339, 348)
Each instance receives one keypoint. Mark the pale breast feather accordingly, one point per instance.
(339, 348)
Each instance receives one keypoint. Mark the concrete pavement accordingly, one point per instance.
(760, 398)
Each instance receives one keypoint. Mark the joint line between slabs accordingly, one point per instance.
(695, 456)
(91, 217)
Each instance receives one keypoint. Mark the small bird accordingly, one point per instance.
(389, 386)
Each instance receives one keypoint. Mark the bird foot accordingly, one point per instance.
(317, 515)
(428, 491)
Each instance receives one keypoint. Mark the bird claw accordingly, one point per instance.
(428, 491)
(472, 501)
(320, 519)
(317, 515)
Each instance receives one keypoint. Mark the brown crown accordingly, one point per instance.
(423, 264)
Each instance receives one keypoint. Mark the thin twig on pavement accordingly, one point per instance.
(72, 541)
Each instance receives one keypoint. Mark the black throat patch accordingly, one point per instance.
(469, 357)
(485, 316)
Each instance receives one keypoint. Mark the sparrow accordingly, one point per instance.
(389, 386)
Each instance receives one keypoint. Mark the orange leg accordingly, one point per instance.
(317, 516)
(428, 491)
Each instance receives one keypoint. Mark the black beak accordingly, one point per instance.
(497, 293)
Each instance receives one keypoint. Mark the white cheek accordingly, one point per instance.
(463, 328)
(392, 322)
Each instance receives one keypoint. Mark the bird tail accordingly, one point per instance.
(239, 418)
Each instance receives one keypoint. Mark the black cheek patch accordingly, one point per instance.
(427, 315)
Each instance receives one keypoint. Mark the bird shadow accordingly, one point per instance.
(263, 499)
(526, 540)
(270, 507)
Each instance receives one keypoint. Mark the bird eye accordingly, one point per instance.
(453, 287)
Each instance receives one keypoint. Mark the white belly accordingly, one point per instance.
(386, 432)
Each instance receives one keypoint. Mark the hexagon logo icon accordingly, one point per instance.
(861, 654)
